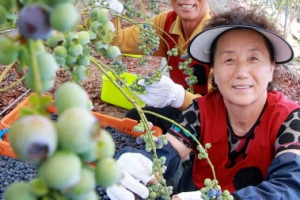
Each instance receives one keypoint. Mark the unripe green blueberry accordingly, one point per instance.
(84, 38)
(101, 47)
(72, 37)
(30, 82)
(83, 60)
(47, 66)
(89, 196)
(76, 128)
(70, 95)
(64, 17)
(85, 186)
(17, 190)
(96, 26)
(105, 145)
(75, 50)
(113, 52)
(107, 172)
(8, 51)
(71, 60)
(92, 34)
(61, 171)
(60, 61)
(81, 73)
(107, 27)
(91, 154)
(34, 144)
(94, 13)
(60, 51)
(55, 39)
(103, 15)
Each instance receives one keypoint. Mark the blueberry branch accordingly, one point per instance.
(35, 67)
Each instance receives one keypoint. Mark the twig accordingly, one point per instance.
(15, 101)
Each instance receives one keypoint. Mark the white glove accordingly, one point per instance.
(162, 93)
(114, 5)
(188, 196)
(135, 168)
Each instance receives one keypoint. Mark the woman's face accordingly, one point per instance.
(189, 10)
(242, 68)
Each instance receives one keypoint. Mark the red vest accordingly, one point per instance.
(176, 74)
(261, 151)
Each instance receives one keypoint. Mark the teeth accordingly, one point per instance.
(242, 87)
(187, 6)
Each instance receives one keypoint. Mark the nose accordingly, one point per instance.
(241, 70)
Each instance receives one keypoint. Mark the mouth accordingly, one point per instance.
(187, 6)
(242, 86)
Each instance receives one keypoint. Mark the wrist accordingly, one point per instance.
(180, 96)
(188, 100)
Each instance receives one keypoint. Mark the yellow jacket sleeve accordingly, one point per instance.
(127, 38)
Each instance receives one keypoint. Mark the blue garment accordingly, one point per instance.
(282, 182)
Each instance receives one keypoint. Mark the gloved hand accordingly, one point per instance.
(188, 196)
(115, 6)
(135, 168)
(163, 93)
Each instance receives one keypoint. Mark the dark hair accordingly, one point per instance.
(241, 16)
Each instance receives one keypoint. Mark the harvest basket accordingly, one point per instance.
(111, 94)
(124, 125)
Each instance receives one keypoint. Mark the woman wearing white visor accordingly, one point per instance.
(253, 129)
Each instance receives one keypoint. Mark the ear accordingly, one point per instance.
(272, 67)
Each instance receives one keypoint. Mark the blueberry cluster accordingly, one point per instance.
(153, 5)
(13, 170)
(212, 191)
(72, 51)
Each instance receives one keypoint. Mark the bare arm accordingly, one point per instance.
(178, 146)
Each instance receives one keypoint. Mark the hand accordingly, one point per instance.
(188, 196)
(115, 6)
(135, 168)
(163, 93)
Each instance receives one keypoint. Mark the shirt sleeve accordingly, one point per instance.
(127, 38)
(283, 178)
(282, 182)
(189, 120)
(289, 134)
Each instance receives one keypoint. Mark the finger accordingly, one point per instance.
(152, 85)
(142, 82)
(145, 99)
(133, 185)
(118, 192)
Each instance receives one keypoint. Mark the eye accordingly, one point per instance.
(229, 60)
(254, 58)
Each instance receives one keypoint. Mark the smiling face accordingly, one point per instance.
(242, 67)
(190, 10)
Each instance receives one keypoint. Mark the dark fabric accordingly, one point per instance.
(282, 181)
(168, 111)
(172, 157)
(186, 183)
